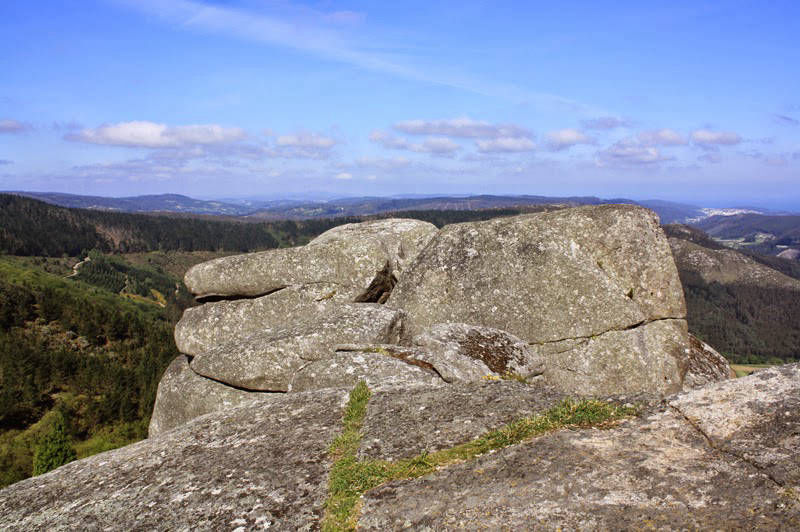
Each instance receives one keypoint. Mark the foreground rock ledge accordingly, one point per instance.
(725, 456)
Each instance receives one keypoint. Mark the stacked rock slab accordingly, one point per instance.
(593, 290)
(280, 314)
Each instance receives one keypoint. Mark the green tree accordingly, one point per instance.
(53, 450)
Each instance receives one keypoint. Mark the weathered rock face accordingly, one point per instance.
(212, 324)
(647, 358)
(723, 457)
(461, 352)
(726, 456)
(348, 257)
(565, 279)
(545, 277)
(269, 361)
(346, 368)
(705, 365)
(184, 395)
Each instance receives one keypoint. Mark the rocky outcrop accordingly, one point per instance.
(347, 257)
(726, 456)
(589, 298)
(562, 281)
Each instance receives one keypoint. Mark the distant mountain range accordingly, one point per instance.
(362, 206)
(265, 210)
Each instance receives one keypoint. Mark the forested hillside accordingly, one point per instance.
(745, 305)
(75, 352)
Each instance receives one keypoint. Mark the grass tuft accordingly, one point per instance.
(351, 478)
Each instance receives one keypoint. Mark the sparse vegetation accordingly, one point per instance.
(350, 478)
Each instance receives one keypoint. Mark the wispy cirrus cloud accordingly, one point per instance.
(326, 35)
(605, 123)
(786, 120)
(461, 127)
(12, 127)
(144, 134)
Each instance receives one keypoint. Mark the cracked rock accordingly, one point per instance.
(348, 256)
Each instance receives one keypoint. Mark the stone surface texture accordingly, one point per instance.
(704, 365)
(647, 358)
(547, 276)
(348, 257)
(184, 395)
(402, 424)
(207, 326)
(268, 361)
(461, 352)
(261, 465)
(720, 458)
(346, 368)
(725, 456)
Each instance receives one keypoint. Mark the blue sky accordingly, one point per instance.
(688, 101)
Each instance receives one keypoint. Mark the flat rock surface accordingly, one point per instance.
(268, 361)
(658, 472)
(257, 466)
(345, 369)
(211, 324)
(184, 395)
(547, 276)
(348, 257)
(401, 424)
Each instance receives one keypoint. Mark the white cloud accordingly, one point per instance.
(14, 126)
(605, 122)
(661, 137)
(629, 153)
(708, 138)
(433, 145)
(144, 134)
(505, 144)
(461, 127)
(306, 140)
(343, 176)
(566, 138)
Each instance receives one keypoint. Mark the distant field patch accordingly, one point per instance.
(742, 370)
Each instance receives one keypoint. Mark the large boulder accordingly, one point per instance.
(268, 361)
(184, 395)
(559, 278)
(350, 257)
(726, 456)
